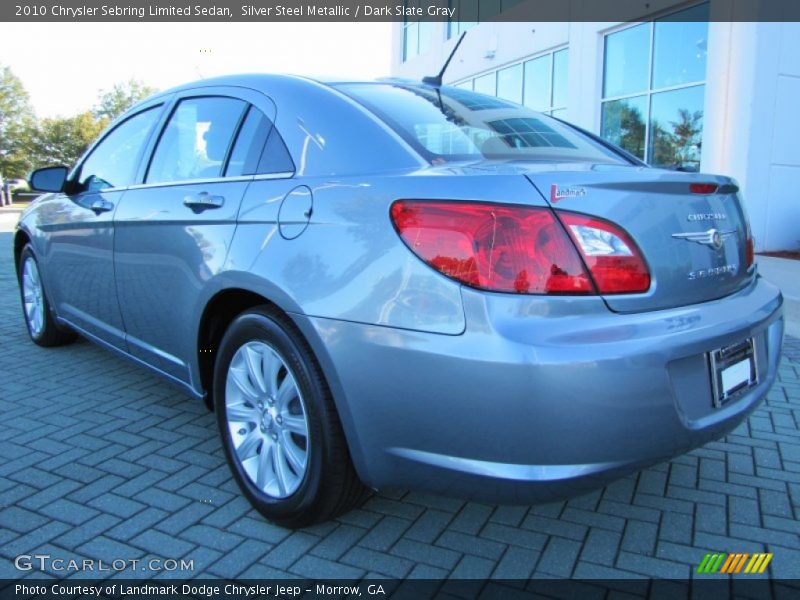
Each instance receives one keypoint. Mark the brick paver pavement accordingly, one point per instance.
(99, 459)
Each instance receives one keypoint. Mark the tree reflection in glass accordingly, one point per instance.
(624, 124)
(676, 129)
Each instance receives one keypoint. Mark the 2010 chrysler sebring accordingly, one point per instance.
(404, 284)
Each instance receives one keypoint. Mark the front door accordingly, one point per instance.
(81, 241)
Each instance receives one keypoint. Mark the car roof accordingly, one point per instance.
(266, 81)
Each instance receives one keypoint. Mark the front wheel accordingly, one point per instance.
(280, 430)
(41, 324)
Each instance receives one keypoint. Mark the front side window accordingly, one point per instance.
(450, 123)
(195, 142)
(113, 161)
(654, 89)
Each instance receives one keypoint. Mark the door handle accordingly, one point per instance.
(101, 206)
(202, 201)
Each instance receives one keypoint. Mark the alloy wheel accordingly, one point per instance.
(33, 296)
(267, 420)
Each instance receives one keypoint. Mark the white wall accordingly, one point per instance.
(752, 104)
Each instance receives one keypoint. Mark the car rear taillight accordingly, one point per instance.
(749, 250)
(614, 261)
(493, 247)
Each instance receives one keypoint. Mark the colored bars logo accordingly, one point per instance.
(733, 563)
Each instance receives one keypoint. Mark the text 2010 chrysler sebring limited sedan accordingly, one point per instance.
(396, 284)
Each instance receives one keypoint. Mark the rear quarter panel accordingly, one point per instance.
(349, 263)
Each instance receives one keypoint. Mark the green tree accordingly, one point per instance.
(16, 123)
(119, 98)
(62, 140)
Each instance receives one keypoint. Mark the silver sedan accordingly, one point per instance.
(400, 284)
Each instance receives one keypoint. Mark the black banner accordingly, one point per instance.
(385, 10)
(380, 589)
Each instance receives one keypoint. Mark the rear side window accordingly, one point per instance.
(113, 161)
(259, 148)
(249, 144)
(275, 158)
(196, 140)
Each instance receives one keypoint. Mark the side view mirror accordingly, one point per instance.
(49, 179)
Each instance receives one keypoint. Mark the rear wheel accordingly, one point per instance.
(42, 326)
(279, 427)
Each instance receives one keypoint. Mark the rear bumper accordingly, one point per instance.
(539, 397)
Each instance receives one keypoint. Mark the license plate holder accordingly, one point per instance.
(733, 371)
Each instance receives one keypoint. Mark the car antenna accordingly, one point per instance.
(437, 79)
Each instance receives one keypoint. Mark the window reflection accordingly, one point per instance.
(112, 162)
(626, 61)
(195, 141)
(680, 48)
(623, 124)
(448, 123)
(676, 128)
(653, 89)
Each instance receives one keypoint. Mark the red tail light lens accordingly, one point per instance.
(616, 265)
(493, 247)
(749, 251)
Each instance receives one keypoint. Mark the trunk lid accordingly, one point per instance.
(693, 243)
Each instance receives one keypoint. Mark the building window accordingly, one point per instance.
(546, 83)
(539, 83)
(472, 12)
(486, 84)
(654, 87)
(416, 35)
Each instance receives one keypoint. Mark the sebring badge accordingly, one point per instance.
(707, 217)
(712, 237)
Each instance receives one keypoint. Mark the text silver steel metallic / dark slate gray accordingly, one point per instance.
(334, 266)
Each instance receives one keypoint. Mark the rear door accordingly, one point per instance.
(175, 228)
(690, 228)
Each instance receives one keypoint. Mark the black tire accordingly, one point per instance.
(51, 333)
(329, 486)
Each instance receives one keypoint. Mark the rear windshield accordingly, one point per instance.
(451, 124)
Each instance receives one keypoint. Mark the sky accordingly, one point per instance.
(64, 66)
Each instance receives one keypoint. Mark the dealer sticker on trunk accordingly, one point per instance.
(561, 193)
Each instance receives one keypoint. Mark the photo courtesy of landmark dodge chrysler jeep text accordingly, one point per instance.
(403, 284)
